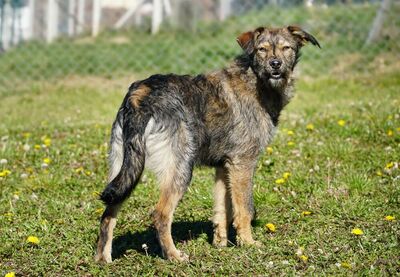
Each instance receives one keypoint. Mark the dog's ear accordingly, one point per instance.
(246, 40)
(302, 36)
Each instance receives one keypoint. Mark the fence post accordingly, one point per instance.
(224, 9)
(71, 19)
(52, 20)
(157, 16)
(81, 16)
(2, 22)
(167, 7)
(96, 17)
(378, 22)
(30, 30)
(128, 14)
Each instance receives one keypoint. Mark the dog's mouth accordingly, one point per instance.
(276, 75)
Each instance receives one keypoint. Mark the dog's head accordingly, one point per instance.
(274, 52)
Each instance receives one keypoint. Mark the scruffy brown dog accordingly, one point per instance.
(224, 119)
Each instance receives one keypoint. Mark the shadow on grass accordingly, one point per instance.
(181, 231)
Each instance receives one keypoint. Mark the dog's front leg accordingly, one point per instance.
(222, 208)
(241, 188)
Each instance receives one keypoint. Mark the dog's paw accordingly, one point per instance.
(248, 242)
(176, 255)
(257, 243)
(102, 258)
(220, 241)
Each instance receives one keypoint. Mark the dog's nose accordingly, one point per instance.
(275, 63)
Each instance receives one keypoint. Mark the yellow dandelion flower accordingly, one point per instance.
(269, 150)
(286, 175)
(389, 165)
(37, 146)
(379, 173)
(345, 265)
(310, 127)
(390, 218)
(271, 227)
(47, 160)
(79, 169)
(290, 133)
(390, 133)
(341, 122)
(26, 135)
(305, 213)
(279, 181)
(33, 240)
(290, 143)
(47, 142)
(5, 173)
(10, 274)
(9, 216)
(60, 221)
(357, 232)
(304, 258)
(99, 211)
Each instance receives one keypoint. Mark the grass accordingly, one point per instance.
(346, 175)
(333, 175)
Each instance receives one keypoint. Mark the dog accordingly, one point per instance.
(223, 119)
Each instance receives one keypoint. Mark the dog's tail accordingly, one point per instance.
(126, 156)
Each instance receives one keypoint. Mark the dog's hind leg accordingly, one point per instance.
(162, 216)
(173, 184)
(241, 187)
(104, 243)
(170, 156)
(222, 208)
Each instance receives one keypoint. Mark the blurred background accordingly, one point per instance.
(102, 41)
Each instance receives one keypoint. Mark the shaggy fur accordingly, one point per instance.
(224, 119)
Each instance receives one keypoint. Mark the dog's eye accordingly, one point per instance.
(286, 48)
(262, 49)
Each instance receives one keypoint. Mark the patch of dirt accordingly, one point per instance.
(97, 82)
(345, 62)
(120, 40)
(386, 63)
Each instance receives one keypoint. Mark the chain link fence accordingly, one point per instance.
(58, 40)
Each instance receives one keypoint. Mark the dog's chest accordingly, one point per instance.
(243, 129)
(256, 124)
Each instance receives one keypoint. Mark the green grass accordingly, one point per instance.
(73, 100)
(333, 175)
